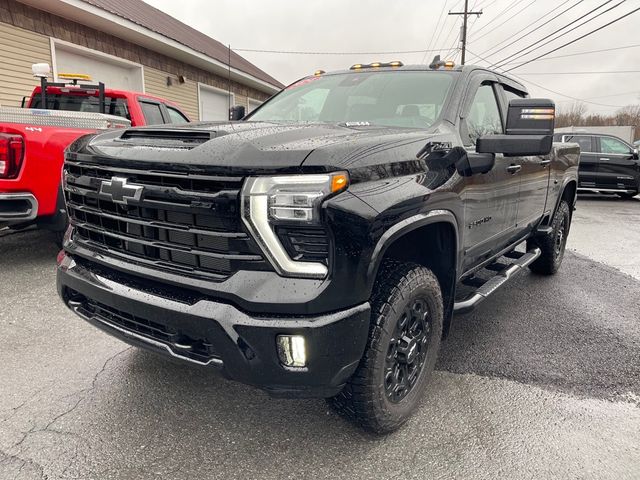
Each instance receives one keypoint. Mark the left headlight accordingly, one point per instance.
(287, 200)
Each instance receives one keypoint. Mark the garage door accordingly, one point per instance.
(253, 104)
(214, 104)
(116, 74)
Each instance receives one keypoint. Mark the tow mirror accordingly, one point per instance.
(236, 112)
(530, 123)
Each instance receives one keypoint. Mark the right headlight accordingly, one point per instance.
(292, 200)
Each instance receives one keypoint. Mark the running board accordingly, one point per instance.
(496, 282)
(606, 190)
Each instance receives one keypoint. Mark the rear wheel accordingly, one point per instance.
(404, 339)
(552, 244)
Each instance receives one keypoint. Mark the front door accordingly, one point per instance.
(490, 199)
(618, 168)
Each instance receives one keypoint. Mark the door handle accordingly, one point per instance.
(605, 159)
(545, 162)
(514, 168)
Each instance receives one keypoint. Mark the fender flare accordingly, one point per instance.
(565, 182)
(406, 226)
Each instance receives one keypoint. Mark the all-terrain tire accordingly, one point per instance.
(375, 397)
(553, 244)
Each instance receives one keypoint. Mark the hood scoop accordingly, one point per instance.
(168, 137)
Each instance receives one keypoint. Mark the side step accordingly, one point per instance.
(491, 285)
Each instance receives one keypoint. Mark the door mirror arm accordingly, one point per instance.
(474, 163)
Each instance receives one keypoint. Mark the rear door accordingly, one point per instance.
(589, 159)
(490, 199)
(617, 167)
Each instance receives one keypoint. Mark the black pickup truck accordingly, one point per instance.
(322, 245)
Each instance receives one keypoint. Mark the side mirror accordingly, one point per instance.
(236, 112)
(530, 123)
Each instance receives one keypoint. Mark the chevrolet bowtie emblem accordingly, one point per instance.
(120, 190)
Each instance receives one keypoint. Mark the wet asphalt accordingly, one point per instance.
(542, 381)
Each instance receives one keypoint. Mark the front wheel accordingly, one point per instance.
(552, 244)
(404, 339)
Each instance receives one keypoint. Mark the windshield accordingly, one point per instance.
(392, 98)
(83, 103)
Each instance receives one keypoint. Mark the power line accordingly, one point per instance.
(531, 25)
(519, 53)
(442, 27)
(636, 92)
(576, 39)
(514, 4)
(567, 96)
(444, 5)
(294, 52)
(488, 5)
(581, 73)
(580, 53)
(548, 89)
(446, 39)
(508, 19)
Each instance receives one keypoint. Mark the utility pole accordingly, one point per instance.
(465, 14)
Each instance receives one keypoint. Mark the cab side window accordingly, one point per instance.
(586, 143)
(510, 94)
(613, 145)
(484, 115)
(175, 116)
(152, 113)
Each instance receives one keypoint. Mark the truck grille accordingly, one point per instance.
(183, 223)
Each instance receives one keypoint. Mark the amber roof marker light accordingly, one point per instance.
(437, 63)
(360, 66)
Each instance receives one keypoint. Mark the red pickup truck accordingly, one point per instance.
(33, 140)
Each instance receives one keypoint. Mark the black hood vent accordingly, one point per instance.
(177, 137)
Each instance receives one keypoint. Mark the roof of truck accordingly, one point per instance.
(464, 69)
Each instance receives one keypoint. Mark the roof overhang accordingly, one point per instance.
(107, 22)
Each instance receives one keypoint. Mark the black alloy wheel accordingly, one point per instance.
(407, 350)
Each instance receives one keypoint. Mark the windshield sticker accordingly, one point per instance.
(302, 82)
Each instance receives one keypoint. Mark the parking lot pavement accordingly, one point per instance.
(542, 381)
(607, 229)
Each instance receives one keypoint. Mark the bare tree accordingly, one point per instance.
(576, 116)
(571, 116)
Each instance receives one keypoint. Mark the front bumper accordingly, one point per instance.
(18, 207)
(214, 334)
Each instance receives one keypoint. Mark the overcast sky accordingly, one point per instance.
(384, 25)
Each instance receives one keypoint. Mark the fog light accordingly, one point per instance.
(291, 350)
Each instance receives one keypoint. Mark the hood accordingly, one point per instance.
(255, 146)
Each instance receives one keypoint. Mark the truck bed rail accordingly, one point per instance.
(60, 118)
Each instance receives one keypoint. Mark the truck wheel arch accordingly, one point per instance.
(438, 228)
(569, 193)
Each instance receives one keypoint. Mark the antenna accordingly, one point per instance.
(229, 65)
